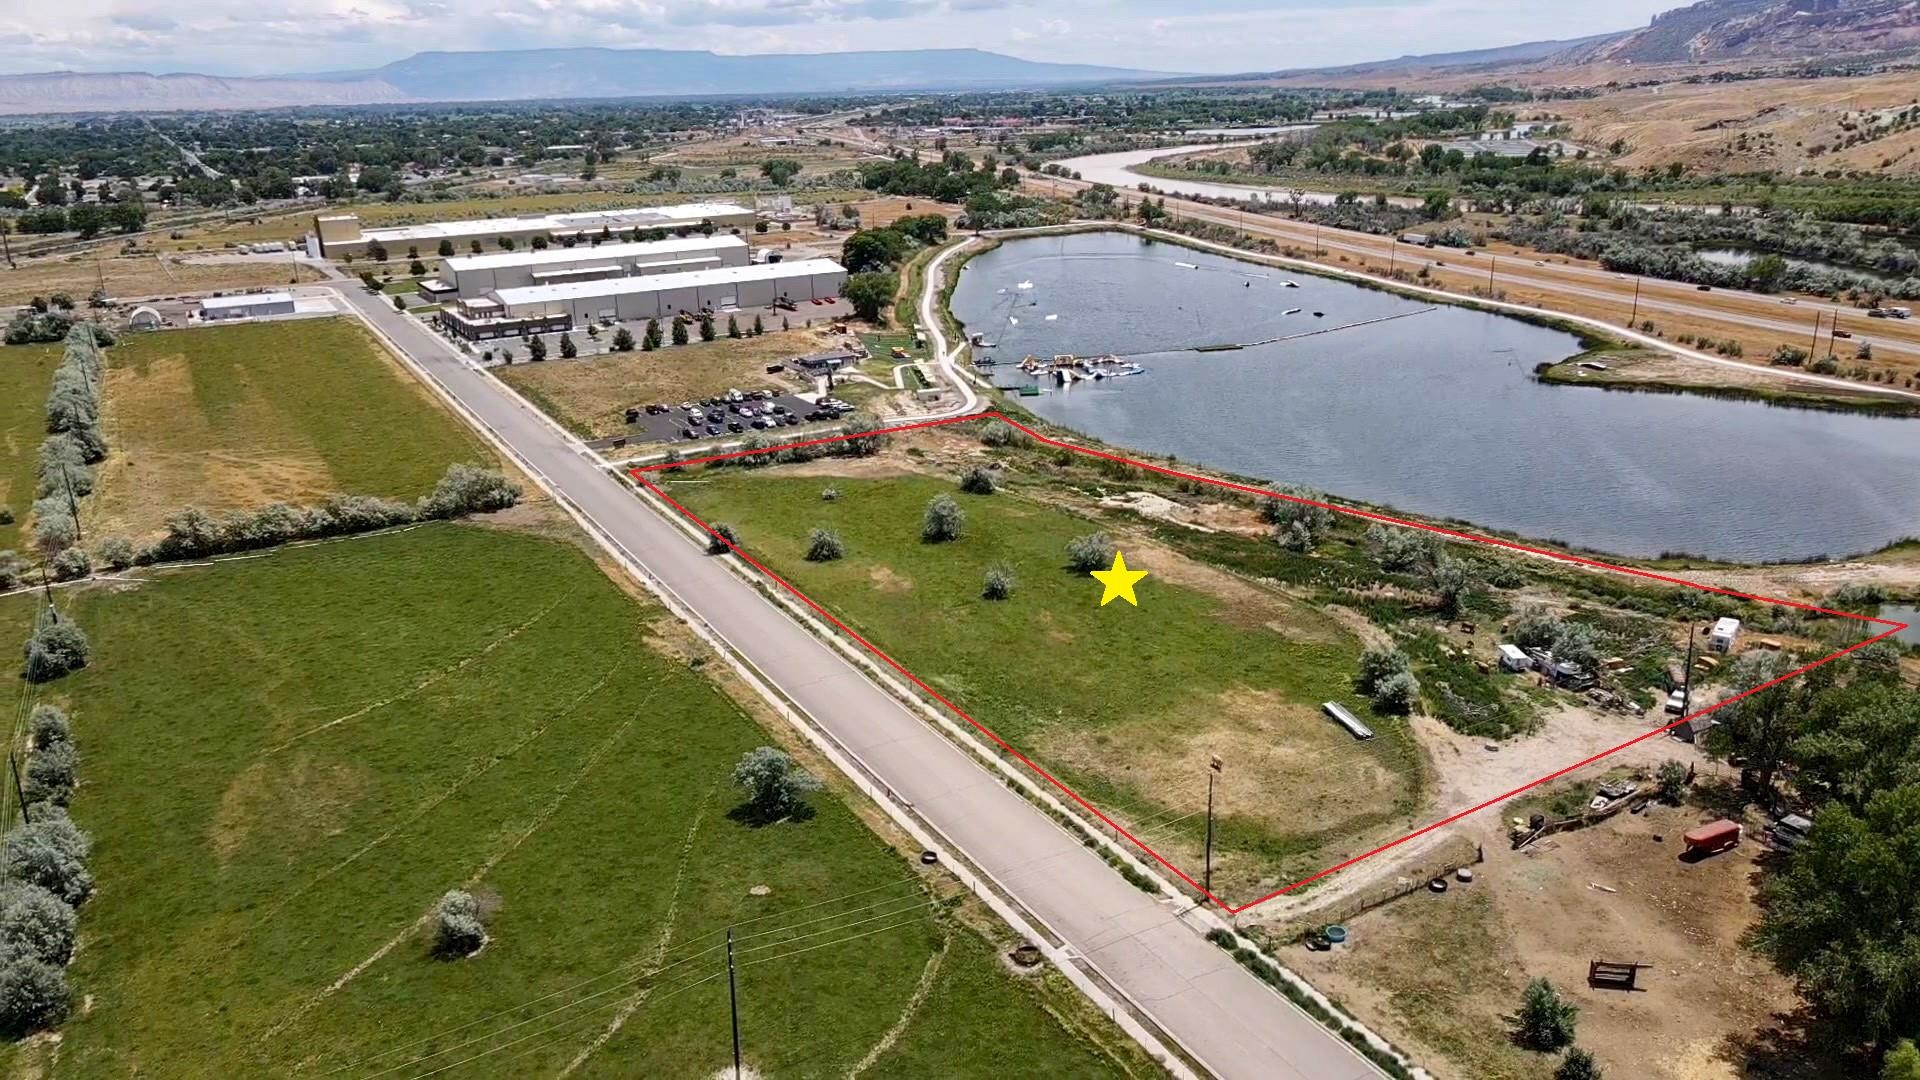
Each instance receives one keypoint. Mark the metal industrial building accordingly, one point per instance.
(339, 235)
(539, 309)
(474, 276)
(250, 306)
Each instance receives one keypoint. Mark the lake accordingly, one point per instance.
(1740, 257)
(1118, 169)
(1906, 614)
(1435, 412)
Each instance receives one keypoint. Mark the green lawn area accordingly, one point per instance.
(287, 760)
(26, 371)
(1125, 704)
(228, 417)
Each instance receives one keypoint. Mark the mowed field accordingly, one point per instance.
(287, 760)
(26, 373)
(1126, 704)
(229, 417)
(132, 277)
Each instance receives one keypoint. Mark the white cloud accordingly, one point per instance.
(280, 36)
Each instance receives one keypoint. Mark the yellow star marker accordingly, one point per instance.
(1119, 581)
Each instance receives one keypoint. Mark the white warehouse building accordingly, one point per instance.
(339, 235)
(472, 276)
(249, 306)
(661, 296)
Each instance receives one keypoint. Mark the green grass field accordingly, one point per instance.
(236, 416)
(1126, 704)
(26, 371)
(287, 760)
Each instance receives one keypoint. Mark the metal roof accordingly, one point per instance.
(575, 290)
(245, 300)
(457, 264)
(644, 217)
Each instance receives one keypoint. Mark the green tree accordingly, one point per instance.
(1577, 1065)
(679, 330)
(873, 249)
(733, 326)
(568, 350)
(775, 786)
(56, 647)
(446, 248)
(870, 294)
(1902, 1062)
(779, 170)
(457, 930)
(943, 521)
(722, 539)
(1843, 918)
(706, 327)
(977, 481)
(1766, 271)
(865, 437)
(1546, 1021)
(999, 582)
(758, 326)
(537, 348)
(416, 268)
(623, 340)
(1094, 551)
(1454, 581)
(1763, 726)
(651, 338)
(824, 545)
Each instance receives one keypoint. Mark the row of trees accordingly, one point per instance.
(88, 219)
(1842, 914)
(74, 443)
(871, 257)
(44, 878)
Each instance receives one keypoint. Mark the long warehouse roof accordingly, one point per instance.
(605, 252)
(644, 217)
(575, 290)
(246, 300)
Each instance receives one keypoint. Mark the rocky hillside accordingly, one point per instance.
(77, 91)
(1722, 30)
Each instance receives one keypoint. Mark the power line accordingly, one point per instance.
(913, 901)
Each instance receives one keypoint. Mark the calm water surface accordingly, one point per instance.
(1435, 412)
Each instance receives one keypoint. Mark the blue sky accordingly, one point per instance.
(245, 37)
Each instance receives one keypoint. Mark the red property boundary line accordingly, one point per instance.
(638, 474)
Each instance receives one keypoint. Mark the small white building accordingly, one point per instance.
(248, 306)
(1513, 658)
(1725, 632)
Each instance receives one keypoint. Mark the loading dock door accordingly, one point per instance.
(730, 301)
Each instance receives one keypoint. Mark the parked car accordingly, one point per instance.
(1790, 831)
(1704, 288)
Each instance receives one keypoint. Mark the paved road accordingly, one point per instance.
(1230, 1021)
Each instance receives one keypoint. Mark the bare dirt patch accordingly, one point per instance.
(1244, 603)
(886, 580)
(302, 796)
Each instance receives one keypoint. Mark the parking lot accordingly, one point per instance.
(762, 412)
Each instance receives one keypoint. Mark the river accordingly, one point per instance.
(1435, 412)
(1117, 169)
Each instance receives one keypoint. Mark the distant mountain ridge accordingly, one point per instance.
(1762, 29)
(535, 74)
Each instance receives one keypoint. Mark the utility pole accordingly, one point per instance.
(1833, 331)
(1492, 261)
(1316, 240)
(733, 1004)
(73, 507)
(1393, 254)
(1686, 694)
(1634, 315)
(1814, 349)
(1213, 770)
(18, 791)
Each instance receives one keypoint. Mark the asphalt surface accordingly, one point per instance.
(1231, 1022)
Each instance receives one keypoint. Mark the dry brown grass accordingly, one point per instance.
(592, 393)
(138, 276)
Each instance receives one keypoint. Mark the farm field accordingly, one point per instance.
(26, 373)
(590, 395)
(131, 277)
(228, 417)
(1126, 705)
(268, 845)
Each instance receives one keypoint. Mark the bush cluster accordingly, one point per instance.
(43, 879)
(74, 444)
(56, 646)
(1387, 680)
(1093, 551)
(457, 930)
(193, 533)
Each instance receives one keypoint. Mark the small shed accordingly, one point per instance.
(246, 306)
(1514, 658)
(1713, 836)
(145, 318)
(1725, 632)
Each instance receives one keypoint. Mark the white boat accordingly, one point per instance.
(1024, 285)
(1012, 321)
(1187, 266)
(1050, 318)
(1291, 311)
(1291, 284)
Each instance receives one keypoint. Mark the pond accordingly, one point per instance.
(1740, 257)
(1434, 410)
(1906, 614)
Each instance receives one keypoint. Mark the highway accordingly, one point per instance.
(1226, 1019)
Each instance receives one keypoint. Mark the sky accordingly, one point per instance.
(256, 37)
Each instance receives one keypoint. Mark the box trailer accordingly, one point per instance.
(1711, 837)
